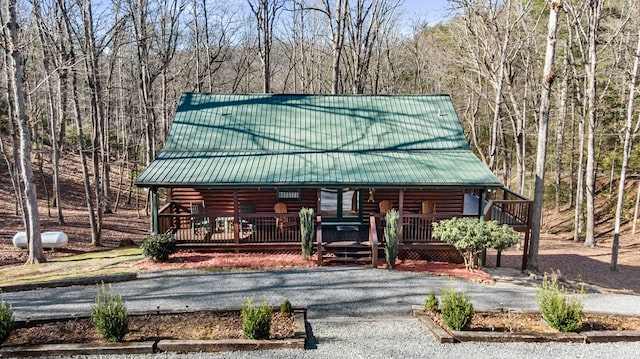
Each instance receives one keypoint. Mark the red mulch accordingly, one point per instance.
(193, 260)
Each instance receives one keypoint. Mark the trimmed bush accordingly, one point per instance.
(256, 321)
(391, 235)
(307, 231)
(471, 235)
(557, 309)
(159, 247)
(285, 307)
(109, 315)
(456, 309)
(6, 320)
(431, 303)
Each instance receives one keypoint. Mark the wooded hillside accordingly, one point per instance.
(101, 78)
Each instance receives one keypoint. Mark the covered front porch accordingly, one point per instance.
(349, 225)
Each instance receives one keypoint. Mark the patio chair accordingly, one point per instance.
(283, 222)
(385, 206)
(199, 220)
(246, 224)
(428, 207)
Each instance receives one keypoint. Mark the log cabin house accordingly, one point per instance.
(237, 169)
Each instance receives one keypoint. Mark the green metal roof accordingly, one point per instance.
(316, 140)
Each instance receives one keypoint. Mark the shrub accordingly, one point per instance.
(431, 303)
(307, 231)
(471, 235)
(456, 309)
(6, 320)
(391, 234)
(557, 309)
(159, 247)
(285, 307)
(256, 321)
(109, 315)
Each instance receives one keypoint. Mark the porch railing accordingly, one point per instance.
(415, 228)
(507, 207)
(227, 228)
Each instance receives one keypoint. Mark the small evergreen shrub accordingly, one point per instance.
(557, 309)
(285, 307)
(431, 304)
(256, 321)
(391, 236)
(109, 315)
(456, 309)
(307, 231)
(6, 320)
(159, 247)
(471, 235)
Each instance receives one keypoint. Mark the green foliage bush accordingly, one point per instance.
(456, 309)
(109, 315)
(307, 231)
(285, 307)
(256, 321)
(557, 308)
(6, 320)
(471, 235)
(431, 304)
(159, 247)
(391, 235)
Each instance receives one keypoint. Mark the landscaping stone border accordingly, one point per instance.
(446, 336)
(122, 277)
(298, 341)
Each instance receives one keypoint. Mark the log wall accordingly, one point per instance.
(263, 200)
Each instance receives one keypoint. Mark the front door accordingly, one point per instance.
(341, 204)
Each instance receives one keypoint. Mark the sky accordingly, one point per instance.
(434, 11)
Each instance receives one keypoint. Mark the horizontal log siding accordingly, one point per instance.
(221, 200)
(447, 201)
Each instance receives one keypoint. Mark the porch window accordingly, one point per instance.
(340, 203)
(288, 194)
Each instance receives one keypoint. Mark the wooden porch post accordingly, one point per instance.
(481, 204)
(154, 210)
(483, 256)
(236, 219)
(401, 214)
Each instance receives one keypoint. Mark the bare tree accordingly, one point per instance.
(595, 8)
(626, 155)
(266, 14)
(19, 118)
(543, 132)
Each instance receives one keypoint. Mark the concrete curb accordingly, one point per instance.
(298, 341)
(124, 277)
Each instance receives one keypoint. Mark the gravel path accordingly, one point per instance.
(352, 312)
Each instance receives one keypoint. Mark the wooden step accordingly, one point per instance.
(346, 259)
(350, 253)
(346, 244)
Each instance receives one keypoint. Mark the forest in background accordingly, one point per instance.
(102, 78)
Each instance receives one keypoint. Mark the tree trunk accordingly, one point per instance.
(543, 132)
(590, 175)
(18, 111)
(626, 155)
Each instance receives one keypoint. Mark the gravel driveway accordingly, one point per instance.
(352, 312)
